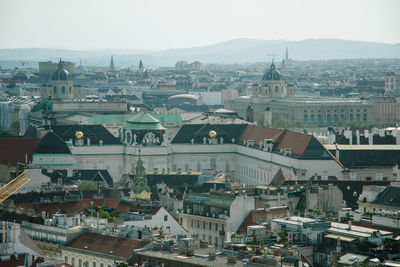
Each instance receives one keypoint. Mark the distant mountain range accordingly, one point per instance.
(229, 52)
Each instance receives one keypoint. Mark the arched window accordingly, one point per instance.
(351, 117)
(70, 90)
(305, 117)
(328, 117)
(319, 117)
(335, 117)
(358, 117)
(342, 116)
(55, 90)
(312, 117)
(276, 89)
(63, 90)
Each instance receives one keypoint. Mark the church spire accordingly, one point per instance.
(141, 67)
(140, 170)
(112, 66)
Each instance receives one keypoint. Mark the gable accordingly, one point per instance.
(51, 143)
(199, 131)
(94, 132)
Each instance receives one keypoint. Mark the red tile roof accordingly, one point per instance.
(105, 244)
(281, 139)
(259, 133)
(298, 142)
(13, 149)
(77, 206)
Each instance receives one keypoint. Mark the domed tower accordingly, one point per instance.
(271, 84)
(60, 86)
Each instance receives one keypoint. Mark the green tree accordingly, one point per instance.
(104, 214)
(13, 131)
(282, 236)
(278, 121)
(12, 84)
(4, 133)
(14, 128)
(354, 125)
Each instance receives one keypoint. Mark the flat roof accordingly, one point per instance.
(295, 220)
(363, 147)
(359, 228)
(199, 259)
(391, 263)
(317, 100)
(342, 238)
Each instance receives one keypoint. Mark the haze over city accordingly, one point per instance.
(157, 24)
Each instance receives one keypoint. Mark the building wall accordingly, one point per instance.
(371, 207)
(247, 165)
(88, 106)
(391, 222)
(161, 219)
(206, 228)
(312, 112)
(245, 205)
(59, 90)
(325, 113)
(215, 230)
(74, 258)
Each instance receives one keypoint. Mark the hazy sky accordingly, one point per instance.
(162, 24)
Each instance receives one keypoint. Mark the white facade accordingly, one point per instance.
(80, 259)
(162, 219)
(215, 230)
(249, 166)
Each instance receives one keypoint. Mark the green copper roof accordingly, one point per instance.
(143, 118)
(219, 201)
(143, 121)
(172, 118)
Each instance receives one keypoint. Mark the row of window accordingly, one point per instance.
(342, 111)
(267, 91)
(83, 263)
(63, 90)
(207, 225)
(213, 166)
(260, 175)
(335, 117)
(210, 239)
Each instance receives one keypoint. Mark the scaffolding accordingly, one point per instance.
(14, 186)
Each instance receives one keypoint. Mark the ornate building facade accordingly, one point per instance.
(60, 86)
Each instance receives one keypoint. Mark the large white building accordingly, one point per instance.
(251, 154)
(213, 217)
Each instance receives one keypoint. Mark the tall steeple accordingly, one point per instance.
(141, 67)
(112, 66)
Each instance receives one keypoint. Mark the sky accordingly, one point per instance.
(164, 24)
